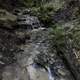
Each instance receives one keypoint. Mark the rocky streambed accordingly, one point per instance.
(33, 60)
(35, 63)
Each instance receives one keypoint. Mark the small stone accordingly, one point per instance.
(62, 72)
(2, 62)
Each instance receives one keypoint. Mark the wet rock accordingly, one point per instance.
(15, 72)
(26, 11)
(61, 72)
(28, 22)
(36, 72)
(35, 59)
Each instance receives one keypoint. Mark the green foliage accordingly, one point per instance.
(63, 36)
(32, 3)
(58, 36)
(66, 42)
(44, 14)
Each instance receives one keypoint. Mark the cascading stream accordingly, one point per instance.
(36, 48)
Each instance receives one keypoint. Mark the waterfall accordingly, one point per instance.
(50, 74)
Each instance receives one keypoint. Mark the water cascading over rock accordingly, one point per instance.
(35, 62)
